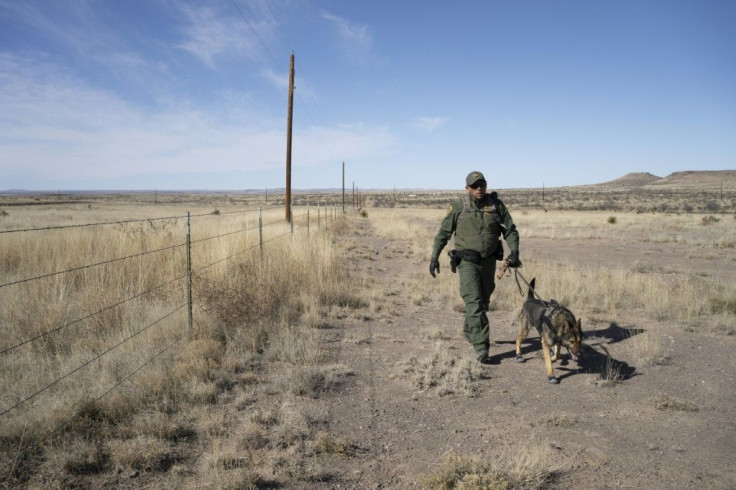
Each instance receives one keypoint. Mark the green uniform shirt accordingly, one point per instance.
(477, 230)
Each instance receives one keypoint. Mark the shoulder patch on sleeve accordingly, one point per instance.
(449, 210)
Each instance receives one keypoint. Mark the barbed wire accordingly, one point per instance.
(247, 249)
(223, 260)
(101, 223)
(115, 386)
(138, 369)
(74, 322)
(88, 266)
(138, 295)
(219, 213)
(222, 235)
(128, 221)
(90, 361)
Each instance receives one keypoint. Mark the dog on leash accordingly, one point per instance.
(557, 328)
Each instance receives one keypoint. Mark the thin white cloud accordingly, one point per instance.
(278, 80)
(356, 38)
(72, 24)
(428, 123)
(210, 34)
(55, 127)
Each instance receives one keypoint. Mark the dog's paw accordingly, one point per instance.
(553, 380)
(519, 359)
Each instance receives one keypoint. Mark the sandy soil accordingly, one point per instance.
(601, 437)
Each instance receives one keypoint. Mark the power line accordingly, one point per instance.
(255, 33)
(278, 65)
(285, 35)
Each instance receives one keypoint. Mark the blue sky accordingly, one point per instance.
(173, 94)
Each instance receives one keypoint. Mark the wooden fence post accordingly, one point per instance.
(260, 231)
(189, 278)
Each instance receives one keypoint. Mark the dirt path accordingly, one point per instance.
(598, 437)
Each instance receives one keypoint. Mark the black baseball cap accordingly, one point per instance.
(474, 177)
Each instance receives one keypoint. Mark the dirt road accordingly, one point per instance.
(667, 426)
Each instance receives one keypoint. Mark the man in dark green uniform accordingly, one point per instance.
(478, 221)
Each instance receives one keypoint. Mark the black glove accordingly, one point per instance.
(434, 266)
(513, 259)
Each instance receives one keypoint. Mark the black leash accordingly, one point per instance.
(517, 274)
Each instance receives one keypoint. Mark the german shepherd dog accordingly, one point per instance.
(556, 325)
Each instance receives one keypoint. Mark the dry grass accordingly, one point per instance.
(650, 348)
(444, 372)
(529, 467)
(555, 420)
(691, 300)
(247, 309)
(666, 402)
(255, 338)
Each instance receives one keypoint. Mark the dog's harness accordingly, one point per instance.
(552, 307)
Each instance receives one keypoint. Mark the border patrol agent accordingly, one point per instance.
(478, 221)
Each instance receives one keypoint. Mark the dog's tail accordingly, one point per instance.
(530, 294)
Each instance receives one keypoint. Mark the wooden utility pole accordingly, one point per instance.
(343, 187)
(288, 137)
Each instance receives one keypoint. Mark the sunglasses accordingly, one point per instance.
(478, 185)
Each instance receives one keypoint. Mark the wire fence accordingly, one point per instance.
(29, 329)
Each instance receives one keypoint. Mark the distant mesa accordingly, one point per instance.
(634, 179)
(683, 179)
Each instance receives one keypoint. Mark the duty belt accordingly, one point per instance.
(470, 256)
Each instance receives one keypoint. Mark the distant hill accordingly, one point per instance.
(634, 179)
(690, 179)
(701, 178)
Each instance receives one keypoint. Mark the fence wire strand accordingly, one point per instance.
(223, 234)
(101, 223)
(136, 296)
(74, 322)
(89, 266)
(90, 361)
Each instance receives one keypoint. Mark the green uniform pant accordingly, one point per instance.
(476, 285)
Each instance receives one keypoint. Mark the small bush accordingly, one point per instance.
(364, 213)
(445, 372)
(612, 220)
(666, 402)
(526, 468)
(326, 443)
(709, 220)
(649, 348)
(216, 211)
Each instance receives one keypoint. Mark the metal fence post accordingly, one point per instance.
(189, 277)
(307, 219)
(260, 231)
(318, 224)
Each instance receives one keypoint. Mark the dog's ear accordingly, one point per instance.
(532, 287)
(579, 325)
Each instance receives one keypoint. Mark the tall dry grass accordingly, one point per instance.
(90, 361)
(687, 300)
